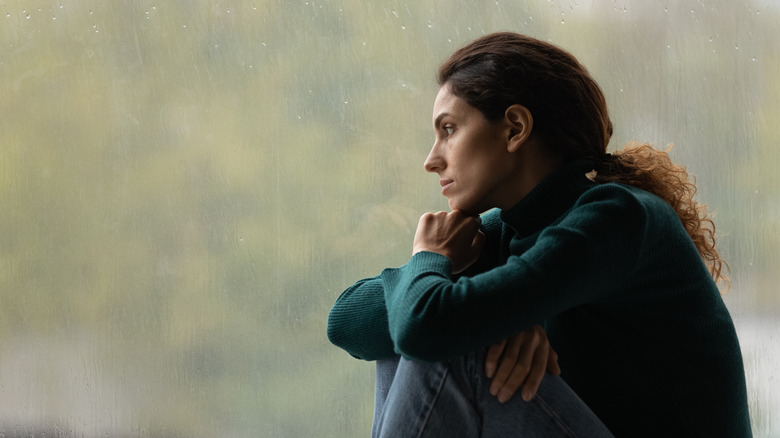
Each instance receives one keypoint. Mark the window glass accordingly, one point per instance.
(187, 186)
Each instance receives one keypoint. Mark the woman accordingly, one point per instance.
(609, 252)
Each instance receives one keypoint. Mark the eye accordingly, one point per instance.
(449, 129)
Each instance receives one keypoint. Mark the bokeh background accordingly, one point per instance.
(187, 186)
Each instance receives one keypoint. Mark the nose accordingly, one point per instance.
(434, 162)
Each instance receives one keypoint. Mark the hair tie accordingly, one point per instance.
(605, 163)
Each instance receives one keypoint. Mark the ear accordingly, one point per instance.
(520, 122)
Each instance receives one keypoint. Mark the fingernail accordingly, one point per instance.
(528, 395)
(489, 371)
(493, 390)
(503, 397)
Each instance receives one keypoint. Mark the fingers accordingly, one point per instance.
(524, 359)
(493, 355)
(514, 364)
(443, 231)
(479, 241)
(535, 374)
(453, 235)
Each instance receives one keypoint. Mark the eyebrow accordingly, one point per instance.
(438, 119)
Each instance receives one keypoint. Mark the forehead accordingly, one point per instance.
(446, 102)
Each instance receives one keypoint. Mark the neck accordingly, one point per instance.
(533, 166)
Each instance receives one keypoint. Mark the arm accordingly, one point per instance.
(582, 258)
(358, 322)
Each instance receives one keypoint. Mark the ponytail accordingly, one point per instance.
(641, 166)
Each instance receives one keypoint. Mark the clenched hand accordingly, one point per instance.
(453, 235)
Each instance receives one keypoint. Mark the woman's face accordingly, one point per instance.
(470, 156)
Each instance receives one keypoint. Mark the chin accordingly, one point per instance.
(456, 206)
(471, 210)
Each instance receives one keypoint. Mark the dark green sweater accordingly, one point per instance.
(643, 335)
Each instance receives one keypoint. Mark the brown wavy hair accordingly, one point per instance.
(570, 115)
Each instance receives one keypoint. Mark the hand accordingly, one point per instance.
(453, 235)
(524, 359)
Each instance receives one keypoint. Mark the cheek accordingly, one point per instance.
(472, 159)
(480, 166)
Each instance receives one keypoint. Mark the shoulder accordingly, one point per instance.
(627, 198)
(627, 211)
(620, 210)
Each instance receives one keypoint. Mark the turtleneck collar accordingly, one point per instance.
(549, 199)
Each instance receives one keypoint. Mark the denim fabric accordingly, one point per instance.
(451, 399)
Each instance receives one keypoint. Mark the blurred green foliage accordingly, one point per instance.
(187, 186)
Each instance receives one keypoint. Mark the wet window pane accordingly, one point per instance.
(187, 186)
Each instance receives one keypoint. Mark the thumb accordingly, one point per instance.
(479, 242)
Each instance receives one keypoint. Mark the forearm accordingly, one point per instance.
(357, 322)
(583, 258)
(431, 320)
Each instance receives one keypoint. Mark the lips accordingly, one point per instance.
(445, 183)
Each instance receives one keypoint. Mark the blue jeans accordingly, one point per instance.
(451, 399)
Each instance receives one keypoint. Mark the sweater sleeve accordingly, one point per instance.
(357, 322)
(581, 258)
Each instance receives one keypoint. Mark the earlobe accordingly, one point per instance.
(520, 123)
